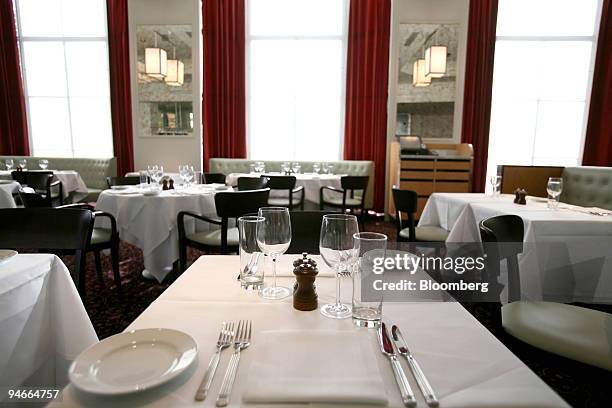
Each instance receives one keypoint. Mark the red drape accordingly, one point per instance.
(120, 90)
(224, 97)
(598, 141)
(367, 75)
(479, 85)
(13, 119)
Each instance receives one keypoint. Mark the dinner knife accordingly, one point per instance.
(386, 346)
(424, 385)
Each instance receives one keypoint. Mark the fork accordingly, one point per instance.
(224, 341)
(242, 340)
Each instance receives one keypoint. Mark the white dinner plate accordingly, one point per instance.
(6, 255)
(133, 361)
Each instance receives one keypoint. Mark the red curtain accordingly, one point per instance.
(367, 76)
(479, 85)
(120, 89)
(224, 97)
(598, 141)
(13, 119)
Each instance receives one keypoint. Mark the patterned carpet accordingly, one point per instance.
(580, 385)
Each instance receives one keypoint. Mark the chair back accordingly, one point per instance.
(353, 183)
(252, 183)
(233, 204)
(405, 201)
(306, 231)
(281, 182)
(507, 230)
(38, 180)
(123, 181)
(34, 200)
(217, 178)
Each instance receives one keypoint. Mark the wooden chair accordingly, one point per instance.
(210, 178)
(570, 331)
(344, 198)
(252, 183)
(42, 182)
(406, 202)
(287, 184)
(230, 204)
(306, 231)
(123, 181)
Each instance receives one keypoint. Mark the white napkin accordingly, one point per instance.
(296, 366)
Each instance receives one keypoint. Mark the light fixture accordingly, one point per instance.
(435, 61)
(156, 61)
(418, 74)
(176, 71)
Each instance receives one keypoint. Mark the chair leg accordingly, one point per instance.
(115, 265)
(182, 257)
(98, 267)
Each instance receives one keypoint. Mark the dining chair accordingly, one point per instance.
(306, 231)
(570, 331)
(99, 240)
(345, 197)
(286, 184)
(42, 182)
(405, 202)
(49, 230)
(210, 178)
(223, 239)
(252, 183)
(122, 181)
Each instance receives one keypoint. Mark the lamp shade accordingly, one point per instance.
(156, 62)
(418, 74)
(176, 73)
(435, 61)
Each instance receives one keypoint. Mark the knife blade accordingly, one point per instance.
(386, 346)
(419, 375)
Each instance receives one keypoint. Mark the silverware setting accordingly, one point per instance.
(386, 346)
(225, 340)
(242, 340)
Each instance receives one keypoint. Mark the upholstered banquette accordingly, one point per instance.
(348, 167)
(93, 171)
(587, 186)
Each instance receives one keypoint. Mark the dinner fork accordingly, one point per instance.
(225, 340)
(242, 340)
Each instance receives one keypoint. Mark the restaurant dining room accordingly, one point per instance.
(306, 203)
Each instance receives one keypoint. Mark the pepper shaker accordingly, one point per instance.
(304, 291)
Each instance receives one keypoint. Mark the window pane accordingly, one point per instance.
(87, 63)
(44, 68)
(559, 132)
(91, 127)
(296, 17)
(84, 18)
(40, 18)
(546, 17)
(50, 127)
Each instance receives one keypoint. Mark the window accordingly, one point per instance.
(543, 64)
(66, 77)
(296, 53)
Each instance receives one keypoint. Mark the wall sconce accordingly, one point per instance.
(418, 74)
(435, 61)
(176, 71)
(156, 61)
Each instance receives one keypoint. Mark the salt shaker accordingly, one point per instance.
(304, 292)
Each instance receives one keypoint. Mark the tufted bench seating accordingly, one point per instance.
(349, 167)
(92, 171)
(587, 186)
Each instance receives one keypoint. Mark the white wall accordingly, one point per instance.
(169, 152)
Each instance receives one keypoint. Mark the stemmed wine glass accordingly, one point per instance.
(151, 168)
(554, 189)
(285, 167)
(186, 173)
(157, 175)
(296, 167)
(337, 248)
(316, 167)
(495, 183)
(9, 164)
(273, 238)
(23, 163)
(43, 164)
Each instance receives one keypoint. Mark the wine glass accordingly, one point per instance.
(316, 167)
(285, 167)
(43, 164)
(151, 168)
(157, 175)
(554, 189)
(9, 164)
(330, 169)
(189, 174)
(495, 183)
(337, 249)
(273, 238)
(23, 164)
(183, 168)
(325, 168)
(296, 167)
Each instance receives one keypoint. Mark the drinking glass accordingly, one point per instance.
(251, 257)
(144, 179)
(367, 303)
(330, 169)
(189, 174)
(273, 238)
(9, 164)
(316, 167)
(495, 183)
(336, 246)
(554, 189)
(157, 175)
(285, 167)
(182, 173)
(251, 168)
(43, 164)
(197, 177)
(296, 167)
(151, 168)
(260, 167)
(325, 168)
(23, 164)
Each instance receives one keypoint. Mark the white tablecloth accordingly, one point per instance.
(568, 253)
(71, 181)
(466, 365)
(43, 324)
(312, 183)
(6, 193)
(149, 222)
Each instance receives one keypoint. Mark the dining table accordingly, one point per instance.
(465, 364)
(567, 251)
(7, 189)
(72, 182)
(43, 323)
(150, 221)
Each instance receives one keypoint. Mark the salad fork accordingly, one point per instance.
(225, 340)
(242, 340)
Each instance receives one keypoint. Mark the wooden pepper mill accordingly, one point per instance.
(520, 195)
(165, 185)
(171, 185)
(304, 292)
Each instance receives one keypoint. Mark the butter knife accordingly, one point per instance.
(424, 385)
(386, 346)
